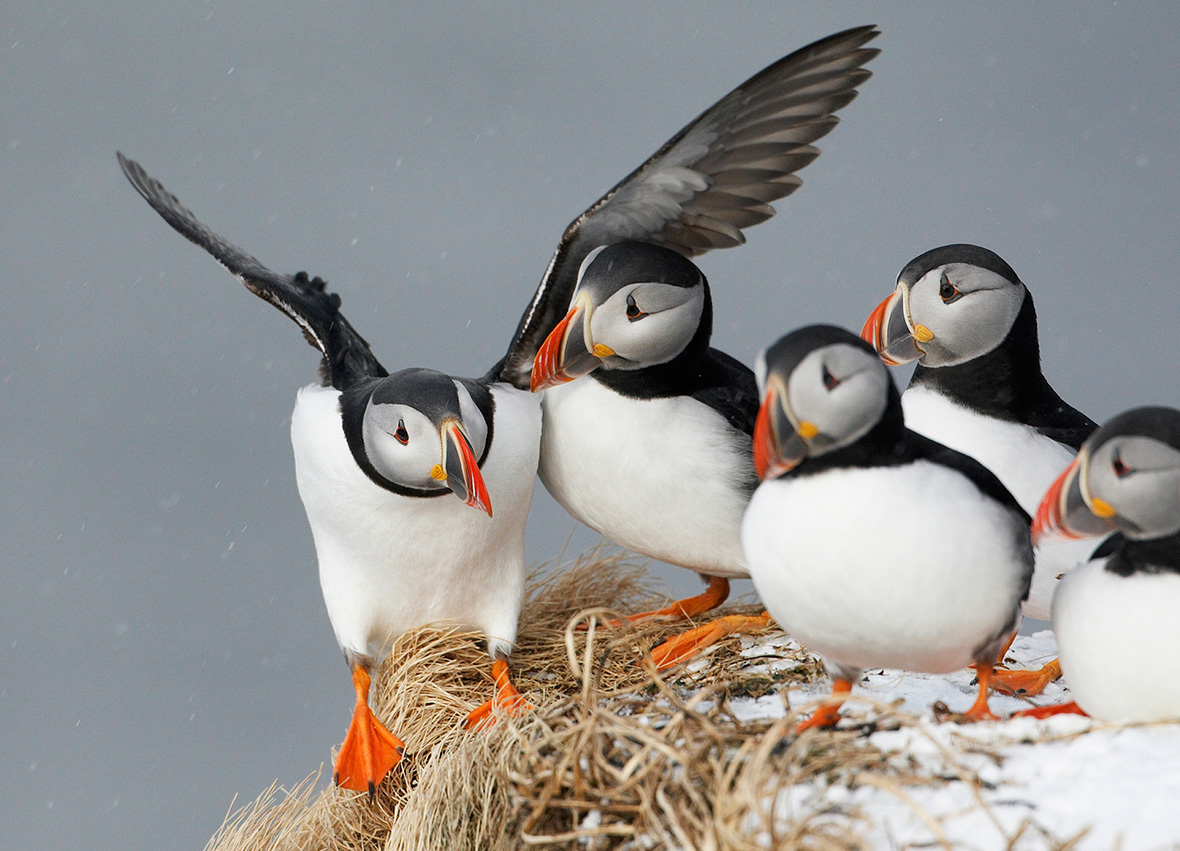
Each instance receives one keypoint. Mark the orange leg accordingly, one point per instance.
(1026, 682)
(828, 713)
(1070, 708)
(979, 711)
(686, 645)
(712, 597)
(369, 750)
(507, 698)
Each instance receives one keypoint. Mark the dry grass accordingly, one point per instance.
(614, 756)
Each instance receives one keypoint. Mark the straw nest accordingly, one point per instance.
(612, 756)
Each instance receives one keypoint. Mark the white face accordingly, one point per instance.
(841, 392)
(967, 310)
(1139, 478)
(406, 447)
(647, 323)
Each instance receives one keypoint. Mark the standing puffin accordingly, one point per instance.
(1115, 616)
(379, 460)
(652, 448)
(873, 545)
(969, 321)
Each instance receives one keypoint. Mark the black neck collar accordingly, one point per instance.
(1007, 384)
(1157, 555)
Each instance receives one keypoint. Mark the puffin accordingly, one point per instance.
(873, 545)
(647, 430)
(1115, 616)
(968, 320)
(416, 486)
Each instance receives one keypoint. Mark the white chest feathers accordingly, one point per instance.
(903, 567)
(390, 562)
(661, 477)
(1119, 639)
(1024, 460)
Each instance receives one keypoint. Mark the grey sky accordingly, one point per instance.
(164, 642)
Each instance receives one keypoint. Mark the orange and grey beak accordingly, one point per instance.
(778, 446)
(1067, 512)
(569, 351)
(459, 468)
(889, 331)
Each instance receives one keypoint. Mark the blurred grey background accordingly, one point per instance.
(165, 646)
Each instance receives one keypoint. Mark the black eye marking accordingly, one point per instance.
(830, 381)
(1116, 464)
(633, 311)
(947, 291)
(402, 436)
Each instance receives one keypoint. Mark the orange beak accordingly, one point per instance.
(887, 331)
(463, 476)
(1064, 511)
(778, 447)
(568, 352)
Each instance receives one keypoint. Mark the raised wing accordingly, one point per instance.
(711, 180)
(347, 357)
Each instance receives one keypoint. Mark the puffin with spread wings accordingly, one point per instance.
(652, 448)
(379, 460)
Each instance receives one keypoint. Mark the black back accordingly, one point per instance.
(1007, 384)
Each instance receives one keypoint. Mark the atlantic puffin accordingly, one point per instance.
(416, 486)
(968, 320)
(871, 544)
(1115, 616)
(652, 447)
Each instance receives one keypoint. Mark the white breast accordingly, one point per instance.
(904, 567)
(660, 477)
(389, 562)
(1026, 461)
(1119, 640)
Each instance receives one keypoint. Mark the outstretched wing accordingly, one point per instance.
(347, 357)
(711, 180)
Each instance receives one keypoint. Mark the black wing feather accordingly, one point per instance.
(712, 179)
(347, 357)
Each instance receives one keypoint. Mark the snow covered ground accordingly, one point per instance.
(1020, 783)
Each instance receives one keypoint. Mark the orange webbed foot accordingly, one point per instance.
(828, 714)
(690, 607)
(682, 647)
(369, 751)
(980, 711)
(1070, 708)
(1026, 682)
(507, 698)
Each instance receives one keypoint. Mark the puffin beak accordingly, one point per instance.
(888, 330)
(569, 351)
(778, 447)
(459, 468)
(1066, 513)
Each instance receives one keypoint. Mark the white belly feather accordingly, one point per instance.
(388, 562)
(1027, 463)
(1119, 640)
(906, 567)
(659, 477)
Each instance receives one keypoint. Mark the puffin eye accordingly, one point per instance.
(633, 311)
(402, 436)
(830, 381)
(1120, 468)
(948, 292)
